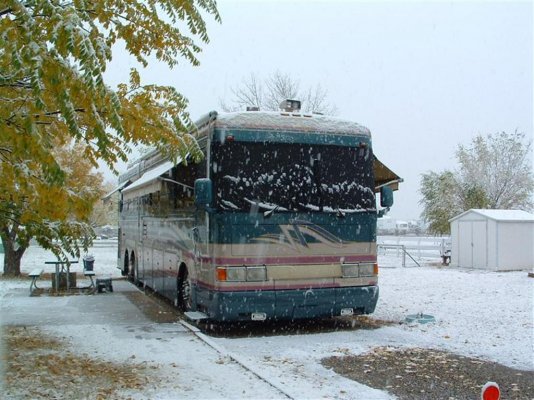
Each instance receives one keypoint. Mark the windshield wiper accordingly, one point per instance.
(268, 213)
(256, 206)
(340, 214)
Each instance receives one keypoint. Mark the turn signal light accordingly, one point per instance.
(375, 269)
(221, 274)
(243, 273)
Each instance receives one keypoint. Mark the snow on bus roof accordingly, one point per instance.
(284, 121)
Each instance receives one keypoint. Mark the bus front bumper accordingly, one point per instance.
(287, 304)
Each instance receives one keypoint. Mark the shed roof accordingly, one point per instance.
(500, 215)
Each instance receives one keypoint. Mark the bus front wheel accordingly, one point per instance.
(184, 291)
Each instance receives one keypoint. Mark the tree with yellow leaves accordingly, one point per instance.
(56, 215)
(53, 55)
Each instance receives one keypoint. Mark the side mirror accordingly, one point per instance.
(203, 192)
(386, 196)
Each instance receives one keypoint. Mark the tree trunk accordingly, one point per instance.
(12, 256)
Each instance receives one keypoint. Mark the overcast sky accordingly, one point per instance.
(423, 77)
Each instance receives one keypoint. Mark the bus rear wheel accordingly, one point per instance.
(184, 291)
(132, 270)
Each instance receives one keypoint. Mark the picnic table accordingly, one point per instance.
(62, 266)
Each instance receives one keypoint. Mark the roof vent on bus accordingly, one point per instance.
(253, 108)
(290, 105)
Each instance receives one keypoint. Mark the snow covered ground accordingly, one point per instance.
(479, 314)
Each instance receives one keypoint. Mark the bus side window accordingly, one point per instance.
(150, 204)
(182, 190)
(165, 199)
(184, 198)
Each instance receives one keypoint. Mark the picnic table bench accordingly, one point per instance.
(35, 274)
(65, 266)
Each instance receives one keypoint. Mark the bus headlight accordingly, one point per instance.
(349, 270)
(359, 270)
(242, 274)
(236, 274)
(367, 270)
(256, 274)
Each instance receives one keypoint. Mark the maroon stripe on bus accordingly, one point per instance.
(288, 260)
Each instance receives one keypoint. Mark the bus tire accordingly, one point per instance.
(184, 291)
(126, 264)
(132, 269)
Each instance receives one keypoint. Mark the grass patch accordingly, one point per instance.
(40, 367)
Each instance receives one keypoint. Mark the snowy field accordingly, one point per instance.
(488, 315)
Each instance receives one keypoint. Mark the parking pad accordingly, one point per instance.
(125, 305)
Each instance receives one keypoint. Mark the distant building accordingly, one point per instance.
(402, 228)
(493, 239)
(386, 225)
(391, 226)
(107, 232)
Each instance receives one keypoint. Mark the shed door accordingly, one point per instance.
(472, 244)
(479, 245)
(465, 235)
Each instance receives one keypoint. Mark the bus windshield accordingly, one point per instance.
(283, 177)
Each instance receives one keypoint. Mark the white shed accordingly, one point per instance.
(493, 239)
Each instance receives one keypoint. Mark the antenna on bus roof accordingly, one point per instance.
(290, 105)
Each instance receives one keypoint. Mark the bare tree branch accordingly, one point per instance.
(277, 87)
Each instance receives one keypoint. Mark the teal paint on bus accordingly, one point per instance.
(227, 226)
(255, 136)
(287, 304)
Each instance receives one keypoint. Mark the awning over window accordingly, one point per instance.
(384, 176)
(149, 182)
(107, 196)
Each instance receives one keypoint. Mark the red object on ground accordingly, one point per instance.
(491, 391)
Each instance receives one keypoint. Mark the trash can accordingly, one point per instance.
(88, 263)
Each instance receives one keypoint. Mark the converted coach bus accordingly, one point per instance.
(278, 220)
